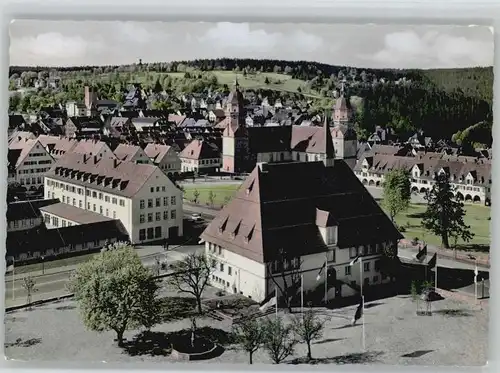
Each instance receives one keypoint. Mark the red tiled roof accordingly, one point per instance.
(199, 149)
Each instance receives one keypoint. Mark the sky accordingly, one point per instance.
(76, 43)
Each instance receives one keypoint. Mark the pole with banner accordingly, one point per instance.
(326, 278)
(476, 272)
(302, 293)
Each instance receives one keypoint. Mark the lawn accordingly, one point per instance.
(476, 216)
(222, 192)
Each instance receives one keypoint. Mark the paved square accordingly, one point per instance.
(456, 334)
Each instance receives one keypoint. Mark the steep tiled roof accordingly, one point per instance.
(156, 151)
(109, 175)
(90, 147)
(27, 209)
(274, 210)
(25, 146)
(199, 149)
(125, 152)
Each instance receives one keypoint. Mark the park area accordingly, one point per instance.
(222, 193)
(455, 334)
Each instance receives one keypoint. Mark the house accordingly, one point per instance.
(25, 215)
(141, 196)
(42, 242)
(62, 214)
(16, 123)
(470, 177)
(83, 126)
(276, 228)
(117, 126)
(165, 157)
(28, 161)
(57, 146)
(216, 115)
(200, 156)
(93, 148)
(76, 109)
(142, 124)
(131, 153)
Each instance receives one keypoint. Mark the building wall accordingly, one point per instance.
(128, 210)
(171, 163)
(53, 221)
(228, 146)
(228, 163)
(23, 224)
(200, 165)
(247, 276)
(31, 172)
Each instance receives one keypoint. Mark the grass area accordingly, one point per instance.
(222, 193)
(476, 216)
(75, 260)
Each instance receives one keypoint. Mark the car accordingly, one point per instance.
(196, 217)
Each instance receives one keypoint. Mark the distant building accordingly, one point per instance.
(200, 156)
(165, 157)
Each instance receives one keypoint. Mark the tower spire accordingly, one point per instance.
(329, 150)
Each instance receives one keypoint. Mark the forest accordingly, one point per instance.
(442, 102)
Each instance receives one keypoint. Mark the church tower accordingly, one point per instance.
(329, 155)
(235, 152)
(345, 139)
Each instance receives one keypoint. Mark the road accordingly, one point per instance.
(54, 284)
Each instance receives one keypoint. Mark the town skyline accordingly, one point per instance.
(78, 43)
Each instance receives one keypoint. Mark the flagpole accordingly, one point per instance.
(302, 293)
(276, 295)
(363, 310)
(13, 280)
(475, 281)
(326, 279)
(436, 276)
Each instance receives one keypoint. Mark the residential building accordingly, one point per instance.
(200, 156)
(28, 161)
(83, 126)
(41, 242)
(76, 109)
(25, 215)
(470, 177)
(141, 196)
(165, 157)
(62, 214)
(131, 153)
(278, 227)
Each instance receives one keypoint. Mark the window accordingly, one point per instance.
(152, 189)
(375, 279)
(222, 267)
(229, 270)
(150, 217)
(158, 202)
(114, 214)
(142, 218)
(100, 195)
(64, 199)
(220, 250)
(150, 233)
(172, 200)
(122, 202)
(165, 215)
(107, 212)
(94, 194)
(106, 198)
(74, 201)
(93, 207)
(165, 201)
(158, 216)
(173, 214)
(142, 204)
(157, 188)
(88, 205)
(348, 270)
(366, 267)
(157, 232)
(150, 203)
(163, 188)
(113, 200)
(142, 234)
(353, 251)
(100, 209)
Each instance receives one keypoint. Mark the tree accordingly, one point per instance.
(307, 328)
(249, 334)
(29, 285)
(116, 292)
(211, 197)
(397, 191)
(196, 195)
(278, 339)
(192, 275)
(445, 214)
(266, 81)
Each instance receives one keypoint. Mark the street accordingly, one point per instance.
(54, 284)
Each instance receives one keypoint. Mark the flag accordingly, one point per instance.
(355, 260)
(269, 301)
(10, 264)
(359, 312)
(476, 272)
(422, 253)
(318, 277)
(432, 262)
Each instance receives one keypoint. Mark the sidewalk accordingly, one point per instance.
(457, 255)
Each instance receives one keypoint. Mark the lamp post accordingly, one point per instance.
(43, 265)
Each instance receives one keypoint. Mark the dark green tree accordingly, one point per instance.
(445, 214)
(397, 192)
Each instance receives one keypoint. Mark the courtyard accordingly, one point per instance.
(455, 334)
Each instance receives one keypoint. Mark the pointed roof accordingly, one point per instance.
(329, 150)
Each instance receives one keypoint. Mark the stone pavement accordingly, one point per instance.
(456, 334)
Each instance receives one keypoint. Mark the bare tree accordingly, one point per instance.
(29, 285)
(192, 275)
(211, 197)
(278, 339)
(307, 327)
(250, 335)
(196, 196)
(287, 269)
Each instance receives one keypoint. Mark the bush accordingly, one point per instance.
(415, 241)
(402, 229)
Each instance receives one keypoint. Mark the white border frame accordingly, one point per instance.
(459, 12)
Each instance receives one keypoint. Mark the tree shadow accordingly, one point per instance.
(480, 248)
(328, 341)
(454, 313)
(374, 304)
(64, 308)
(177, 308)
(160, 343)
(24, 343)
(416, 215)
(417, 353)
(346, 326)
(355, 358)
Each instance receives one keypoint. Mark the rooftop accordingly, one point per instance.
(78, 215)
